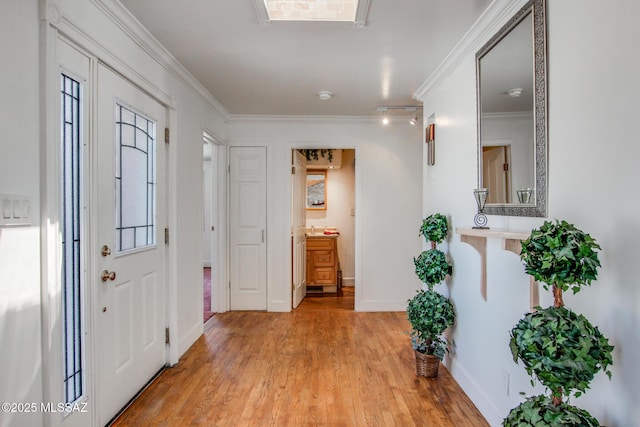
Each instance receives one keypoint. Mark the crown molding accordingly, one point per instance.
(134, 29)
(491, 20)
(241, 118)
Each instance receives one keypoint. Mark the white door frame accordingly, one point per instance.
(219, 294)
(356, 231)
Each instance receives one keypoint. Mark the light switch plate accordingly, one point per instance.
(16, 210)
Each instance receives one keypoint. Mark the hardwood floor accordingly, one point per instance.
(320, 365)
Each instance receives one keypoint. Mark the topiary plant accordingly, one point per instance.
(540, 411)
(429, 314)
(434, 228)
(562, 349)
(432, 267)
(561, 255)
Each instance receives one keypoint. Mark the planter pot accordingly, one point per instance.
(427, 365)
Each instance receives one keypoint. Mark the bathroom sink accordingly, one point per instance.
(320, 234)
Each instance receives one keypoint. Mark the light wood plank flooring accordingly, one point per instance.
(321, 365)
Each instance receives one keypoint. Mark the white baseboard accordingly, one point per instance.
(476, 394)
(190, 337)
(348, 281)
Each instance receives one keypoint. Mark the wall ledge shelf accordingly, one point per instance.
(477, 238)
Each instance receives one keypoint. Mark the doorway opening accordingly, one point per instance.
(323, 224)
(209, 228)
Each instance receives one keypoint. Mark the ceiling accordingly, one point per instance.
(254, 69)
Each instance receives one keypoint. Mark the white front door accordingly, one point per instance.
(129, 273)
(247, 228)
(298, 225)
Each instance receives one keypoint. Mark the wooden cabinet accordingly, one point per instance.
(323, 266)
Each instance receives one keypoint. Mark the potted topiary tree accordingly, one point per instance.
(434, 229)
(557, 346)
(429, 312)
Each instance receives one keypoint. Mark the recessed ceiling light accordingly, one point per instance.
(325, 95)
(515, 92)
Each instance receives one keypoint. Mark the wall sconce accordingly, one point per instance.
(430, 140)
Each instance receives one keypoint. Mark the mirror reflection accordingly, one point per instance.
(511, 115)
(317, 189)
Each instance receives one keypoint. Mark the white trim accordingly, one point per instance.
(380, 305)
(284, 118)
(483, 402)
(361, 14)
(174, 352)
(86, 42)
(130, 26)
(50, 273)
(190, 337)
(491, 20)
(261, 11)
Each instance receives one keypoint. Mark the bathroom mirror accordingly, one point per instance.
(512, 126)
(317, 189)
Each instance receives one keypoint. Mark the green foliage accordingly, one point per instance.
(561, 348)
(312, 154)
(559, 253)
(434, 228)
(539, 411)
(432, 267)
(429, 314)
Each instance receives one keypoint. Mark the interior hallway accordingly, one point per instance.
(320, 365)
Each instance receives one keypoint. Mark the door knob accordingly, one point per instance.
(107, 275)
(105, 251)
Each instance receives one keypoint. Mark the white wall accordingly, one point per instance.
(22, 158)
(20, 331)
(388, 180)
(593, 180)
(340, 213)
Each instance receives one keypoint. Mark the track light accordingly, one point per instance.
(384, 109)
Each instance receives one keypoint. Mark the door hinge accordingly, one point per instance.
(228, 168)
(166, 336)
(293, 170)
(166, 135)
(505, 167)
(166, 236)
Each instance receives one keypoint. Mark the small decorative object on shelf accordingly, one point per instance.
(524, 195)
(480, 220)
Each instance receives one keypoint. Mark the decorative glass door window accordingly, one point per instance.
(71, 149)
(135, 180)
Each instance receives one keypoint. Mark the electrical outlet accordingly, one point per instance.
(505, 381)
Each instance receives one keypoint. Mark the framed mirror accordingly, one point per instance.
(511, 77)
(317, 189)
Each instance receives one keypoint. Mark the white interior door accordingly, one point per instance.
(130, 218)
(298, 235)
(247, 228)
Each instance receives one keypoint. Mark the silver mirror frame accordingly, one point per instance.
(538, 10)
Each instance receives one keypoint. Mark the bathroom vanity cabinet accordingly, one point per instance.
(323, 265)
